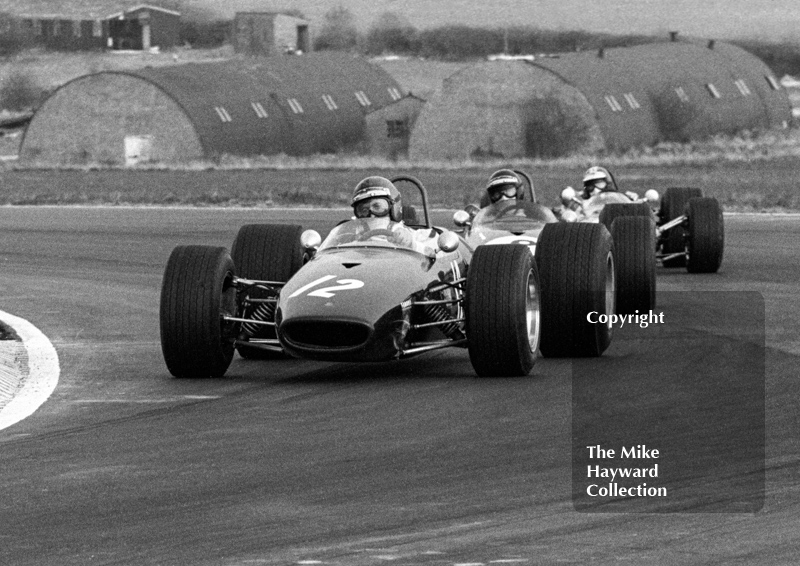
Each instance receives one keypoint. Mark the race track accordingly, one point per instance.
(413, 462)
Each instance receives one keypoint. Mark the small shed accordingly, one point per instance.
(268, 33)
(389, 128)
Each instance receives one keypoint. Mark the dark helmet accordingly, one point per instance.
(382, 188)
(501, 183)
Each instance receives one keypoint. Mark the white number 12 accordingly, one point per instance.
(327, 292)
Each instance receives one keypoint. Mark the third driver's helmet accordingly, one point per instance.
(596, 179)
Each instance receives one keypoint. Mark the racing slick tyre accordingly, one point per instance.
(673, 205)
(503, 310)
(635, 261)
(706, 236)
(576, 268)
(196, 290)
(615, 210)
(266, 252)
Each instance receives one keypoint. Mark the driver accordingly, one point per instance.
(378, 203)
(596, 180)
(504, 184)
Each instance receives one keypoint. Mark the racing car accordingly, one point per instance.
(690, 230)
(686, 230)
(522, 220)
(281, 290)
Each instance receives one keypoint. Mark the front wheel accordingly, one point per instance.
(503, 310)
(576, 266)
(635, 259)
(706, 236)
(673, 205)
(197, 291)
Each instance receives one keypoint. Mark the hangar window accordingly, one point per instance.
(37, 27)
(222, 113)
(362, 98)
(713, 90)
(295, 106)
(394, 93)
(612, 102)
(76, 28)
(773, 83)
(742, 86)
(682, 94)
(329, 102)
(56, 28)
(97, 28)
(631, 100)
(396, 128)
(258, 109)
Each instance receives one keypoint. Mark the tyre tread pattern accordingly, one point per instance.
(706, 236)
(572, 269)
(191, 331)
(496, 310)
(635, 262)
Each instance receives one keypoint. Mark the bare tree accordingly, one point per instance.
(338, 30)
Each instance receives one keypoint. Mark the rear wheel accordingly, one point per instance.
(706, 236)
(265, 252)
(576, 267)
(635, 261)
(503, 310)
(673, 205)
(196, 292)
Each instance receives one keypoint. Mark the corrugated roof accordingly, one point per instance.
(710, 100)
(313, 103)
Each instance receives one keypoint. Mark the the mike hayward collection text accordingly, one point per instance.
(616, 474)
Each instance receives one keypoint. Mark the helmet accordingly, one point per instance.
(595, 173)
(500, 184)
(379, 187)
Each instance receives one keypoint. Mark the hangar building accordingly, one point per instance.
(292, 104)
(612, 99)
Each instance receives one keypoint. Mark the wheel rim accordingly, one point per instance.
(611, 286)
(532, 313)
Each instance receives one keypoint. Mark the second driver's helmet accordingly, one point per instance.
(376, 197)
(596, 179)
(504, 184)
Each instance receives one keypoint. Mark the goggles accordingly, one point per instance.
(597, 184)
(508, 191)
(372, 207)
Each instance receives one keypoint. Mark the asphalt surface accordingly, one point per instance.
(413, 462)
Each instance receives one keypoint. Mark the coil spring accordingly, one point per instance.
(264, 312)
(439, 313)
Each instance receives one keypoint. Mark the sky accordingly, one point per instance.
(724, 19)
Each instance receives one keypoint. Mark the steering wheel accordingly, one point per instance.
(511, 210)
(377, 232)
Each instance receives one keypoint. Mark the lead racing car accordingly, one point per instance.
(369, 294)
